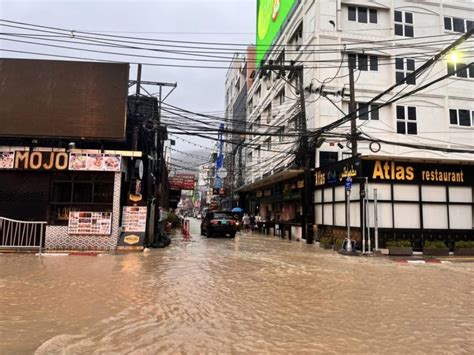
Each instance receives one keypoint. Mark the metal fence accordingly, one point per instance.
(21, 234)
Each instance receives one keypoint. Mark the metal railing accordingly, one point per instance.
(21, 234)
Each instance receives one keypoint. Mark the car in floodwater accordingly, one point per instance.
(221, 223)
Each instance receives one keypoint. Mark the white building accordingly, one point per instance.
(387, 40)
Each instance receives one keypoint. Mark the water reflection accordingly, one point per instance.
(251, 294)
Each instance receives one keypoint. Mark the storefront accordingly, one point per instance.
(77, 193)
(417, 199)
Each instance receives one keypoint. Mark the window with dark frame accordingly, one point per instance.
(404, 23)
(327, 158)
(364, 62)
(368, 112)
(461, 70)
(296, 37)
(406, 120)
(362, 14)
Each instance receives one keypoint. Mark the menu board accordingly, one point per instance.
(7, 160)
(134, 219)
(90, 223)
(94, 162)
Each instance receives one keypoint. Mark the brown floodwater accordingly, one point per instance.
(253, 294)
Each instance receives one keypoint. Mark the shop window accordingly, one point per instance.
(362, 14)
(80, 192)
(403, 68)
(364, 62)
(464, 118)
(404, 24)
(406, 120)
(461, 70)
(327, 158)
(368, 112)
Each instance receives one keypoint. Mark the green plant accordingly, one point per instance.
(462, 244)
(326, 240)
(398, 243)
(437, 244)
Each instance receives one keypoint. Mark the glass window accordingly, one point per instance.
(400, 112)
(448, 23)
(401, 127)
(451, 68)
(399, 63)
(398, 16)
(103, 193)
(82, 192)
(327, 158)
(458, 25)
(363, 111)
(411, 128)
(462, 70)
(471, 70)
(62, 192)
(464, 118)
(363, 62)
(352, 60)
(374, 112)
(408, 17)
(411, 64)
(409, 31)
(373, 15)
(453, 116)
(374, 63)
(398, 30)
(411, 113)
(362, 12)
(469, 25)
(352, 13)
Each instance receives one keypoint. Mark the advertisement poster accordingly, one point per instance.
(94, 162)
(7, 160)
(90, 223)
(134, 219)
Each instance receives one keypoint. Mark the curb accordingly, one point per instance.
(417, 262)
(69, 254)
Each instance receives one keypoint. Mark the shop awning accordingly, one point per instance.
(270, 180)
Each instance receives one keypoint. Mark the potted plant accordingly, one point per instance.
(399, 247)
(325, 243)
(435, 248)
(464, 248)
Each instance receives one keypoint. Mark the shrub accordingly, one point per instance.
(438, 244)
(326, 241)
(398, 243)
(462, 244)
(173, 219)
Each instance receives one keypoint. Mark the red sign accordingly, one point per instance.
(182, 182)
(176, 183)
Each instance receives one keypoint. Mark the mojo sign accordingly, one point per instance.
(27, 160)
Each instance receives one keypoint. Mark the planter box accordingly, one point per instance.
(400, 251)
(436, 251)
(464, 251)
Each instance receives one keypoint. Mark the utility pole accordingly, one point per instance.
(352, 107)
(306, 150)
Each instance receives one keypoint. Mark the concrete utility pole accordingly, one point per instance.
(352, 107)
(306, 150)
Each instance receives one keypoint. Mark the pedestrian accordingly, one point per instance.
(246, 222)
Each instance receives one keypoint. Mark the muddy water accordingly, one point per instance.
(253, 294)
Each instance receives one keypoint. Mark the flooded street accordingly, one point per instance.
(252, 294)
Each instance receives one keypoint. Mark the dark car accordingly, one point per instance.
(219, 223)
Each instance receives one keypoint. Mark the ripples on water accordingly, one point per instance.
(253, 294)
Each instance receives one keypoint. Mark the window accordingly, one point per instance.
(406, 120)
(251, 105)
(364, 62)
(268, 113)
(251, 131)
(327, 158)
(404, 24)
(280, 98)
(403, 68)
(257, 123)
(280, 133)
(362, 14)
(268, 144)
(249, 157)
(457, 24)
(368, 112)
(281, 58)
(292, 125)
(461, 70)
(79, 192)
(258, 92)
(460, 117)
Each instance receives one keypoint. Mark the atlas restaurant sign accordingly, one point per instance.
(58, 161)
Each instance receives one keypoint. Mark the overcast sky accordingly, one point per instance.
(228, 21)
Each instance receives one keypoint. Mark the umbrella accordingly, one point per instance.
(237, 210)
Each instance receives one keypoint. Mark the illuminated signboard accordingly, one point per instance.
(271, 16)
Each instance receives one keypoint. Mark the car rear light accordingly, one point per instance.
(232, 222)
(214, 221)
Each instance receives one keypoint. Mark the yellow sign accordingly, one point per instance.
(390, 171)
(131, 239)
(300, 184)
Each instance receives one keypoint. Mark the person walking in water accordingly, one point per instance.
(246, 222)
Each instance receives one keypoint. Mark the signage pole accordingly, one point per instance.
(367, 210)
(376, 222)
(363, 218)
(348, 216)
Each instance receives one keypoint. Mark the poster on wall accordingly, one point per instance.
(90, 223)
(94, 162)
(7, 160)
(134, 219)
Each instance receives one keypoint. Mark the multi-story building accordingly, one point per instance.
(386, 41)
